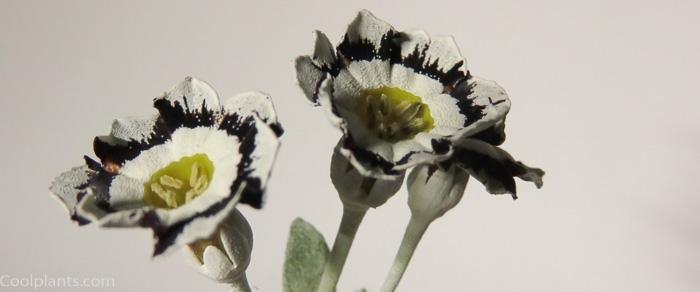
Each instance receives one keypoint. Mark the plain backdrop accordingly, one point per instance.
(604, 99)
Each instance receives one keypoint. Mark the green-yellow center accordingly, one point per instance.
(393, 114)
(179, 182)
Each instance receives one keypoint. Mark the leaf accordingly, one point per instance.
(305, 257)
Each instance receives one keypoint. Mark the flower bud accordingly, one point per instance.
(358, 191)
(225, 256)
(433, 190)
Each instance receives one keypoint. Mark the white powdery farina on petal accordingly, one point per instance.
(366, 26)
(193, 93)
(446, 114)
(126, 193)
(133, 128)
(252, 103)
(371, 74)
(418, 84)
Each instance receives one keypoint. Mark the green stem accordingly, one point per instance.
(341, 247)
(414, 232)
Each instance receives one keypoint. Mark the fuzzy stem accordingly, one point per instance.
(414, 232)
(240, 284)
(352, 217)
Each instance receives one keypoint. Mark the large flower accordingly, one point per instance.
(180, 172)
(401, 98)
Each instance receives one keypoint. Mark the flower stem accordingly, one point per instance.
(352, 217)
(414, 232)
(240, 285)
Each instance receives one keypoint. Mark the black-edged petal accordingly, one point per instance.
(493, 166)
(192, 103)
(438, 57)
(367, 38)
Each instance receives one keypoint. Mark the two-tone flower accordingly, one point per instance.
(180, 172)
(401, 98)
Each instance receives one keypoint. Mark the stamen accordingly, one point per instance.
(194, 174)
(170, 187)
(170, 181)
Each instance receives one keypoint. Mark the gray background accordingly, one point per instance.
(604, 98)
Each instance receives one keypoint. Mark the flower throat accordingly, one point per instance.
(393, 114)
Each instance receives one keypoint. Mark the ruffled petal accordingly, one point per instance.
(494, 167)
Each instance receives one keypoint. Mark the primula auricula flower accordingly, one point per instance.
(180, 172)
(401, 98)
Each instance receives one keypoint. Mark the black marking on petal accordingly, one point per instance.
(406, 157)
(495, 174)
(277, 128)
(113, 150)
(431, 170)
(493, 135)
(420, 61)
(364, 49)
(365, 156)
(175, 115)
(495, 168)
(253, 193)
(440, 146)
(463, 94)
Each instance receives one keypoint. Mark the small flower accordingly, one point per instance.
(400, 98)
(225, 256)
(180, 172)
(358, 191)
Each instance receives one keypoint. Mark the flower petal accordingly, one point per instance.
(309, 77)
(438, 58)
(324, 53)
(192, 103)
(128, 137)
(483, 103)
(367, 38)
(253, 103)
(494, 167)
(70, 188)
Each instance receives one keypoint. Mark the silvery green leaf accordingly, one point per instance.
(305, 257)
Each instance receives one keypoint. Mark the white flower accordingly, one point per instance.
(180, 172)
(401, 98)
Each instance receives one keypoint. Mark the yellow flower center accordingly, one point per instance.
(393, 114)
(179, 182)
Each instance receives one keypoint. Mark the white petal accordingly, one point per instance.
(134, 129)
(252, 103)
(418, 84)
(193, 93)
